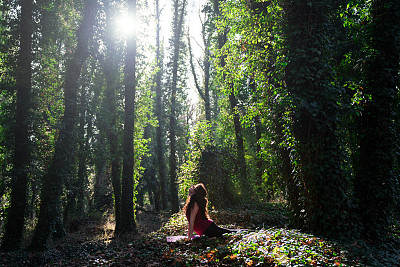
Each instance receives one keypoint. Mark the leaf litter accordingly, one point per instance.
(266, 242)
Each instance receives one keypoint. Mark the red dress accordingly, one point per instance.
(200, 224)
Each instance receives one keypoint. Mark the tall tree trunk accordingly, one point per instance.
(293, 186)
(159, 114)
(236, 116)
(100, 163)
(147, 180)
(308, 80)
(258, 133)
(205, 91)
(16, 213)
(83, 153)
(128, 223)
(111, 73)
(63, 158)
(100, 156)
(207, 67)
(375, 180)
(239, 141)
(177, 28)
(76, 185)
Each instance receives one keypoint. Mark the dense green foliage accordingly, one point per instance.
(298, 103)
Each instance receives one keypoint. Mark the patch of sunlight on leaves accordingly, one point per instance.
(262, 247)
(288, 247)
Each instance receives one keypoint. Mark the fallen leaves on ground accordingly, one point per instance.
(263, 243)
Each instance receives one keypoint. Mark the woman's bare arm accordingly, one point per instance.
(193, 214)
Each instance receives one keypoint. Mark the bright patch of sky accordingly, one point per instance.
(193, 23)
(146, 28)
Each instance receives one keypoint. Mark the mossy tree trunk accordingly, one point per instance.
(161, 197)
(128, 223)
(315, 116)
(177, 34)
(64, 156)
(111, 73)
(375, 180)
(16, 213)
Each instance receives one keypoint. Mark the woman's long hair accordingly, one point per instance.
(200, 196)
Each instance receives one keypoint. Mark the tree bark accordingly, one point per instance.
(159, 114)
(128, 223)
(111, 74)
(84, 151)
(205, 91)
(315, 116)
(239, 141)
(177, 28)
(16, 213)
(375, 180)
(64, 155)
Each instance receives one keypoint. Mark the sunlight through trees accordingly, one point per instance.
(116, 106)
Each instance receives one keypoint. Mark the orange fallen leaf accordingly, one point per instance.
(249, 263)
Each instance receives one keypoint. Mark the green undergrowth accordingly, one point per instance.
(275, 246)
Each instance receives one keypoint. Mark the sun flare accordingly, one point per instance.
(126, 25)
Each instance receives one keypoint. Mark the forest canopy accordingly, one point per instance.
(124, 104)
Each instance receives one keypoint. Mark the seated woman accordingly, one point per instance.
(197, 214)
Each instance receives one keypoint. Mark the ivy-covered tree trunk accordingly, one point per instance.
(315, 116)
(63, 158)
(207, 75)
(241, 161)
(111, 73)
(128, 223)
(84, 135)
(258, 134)
(147, 181)
(375, 180)
(100, 197)
(16, 213)
(159, 115)
(177, 32)
(293, 185)
(100, 155)
(239, 141)
(75, 185)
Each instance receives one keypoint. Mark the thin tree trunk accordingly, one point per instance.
(111, 73)
(146, 182)
(207, 69)
(128, 223)
(205, 91)
(293, 187)
(178, 24)
(76, 186)
(258, 133)
(53, 180)
(159, 114)
(16, 213)
(239, 141)
(100, 167)
(83, 154)
(236, 116)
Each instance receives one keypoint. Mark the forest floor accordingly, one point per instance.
(270, 242)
